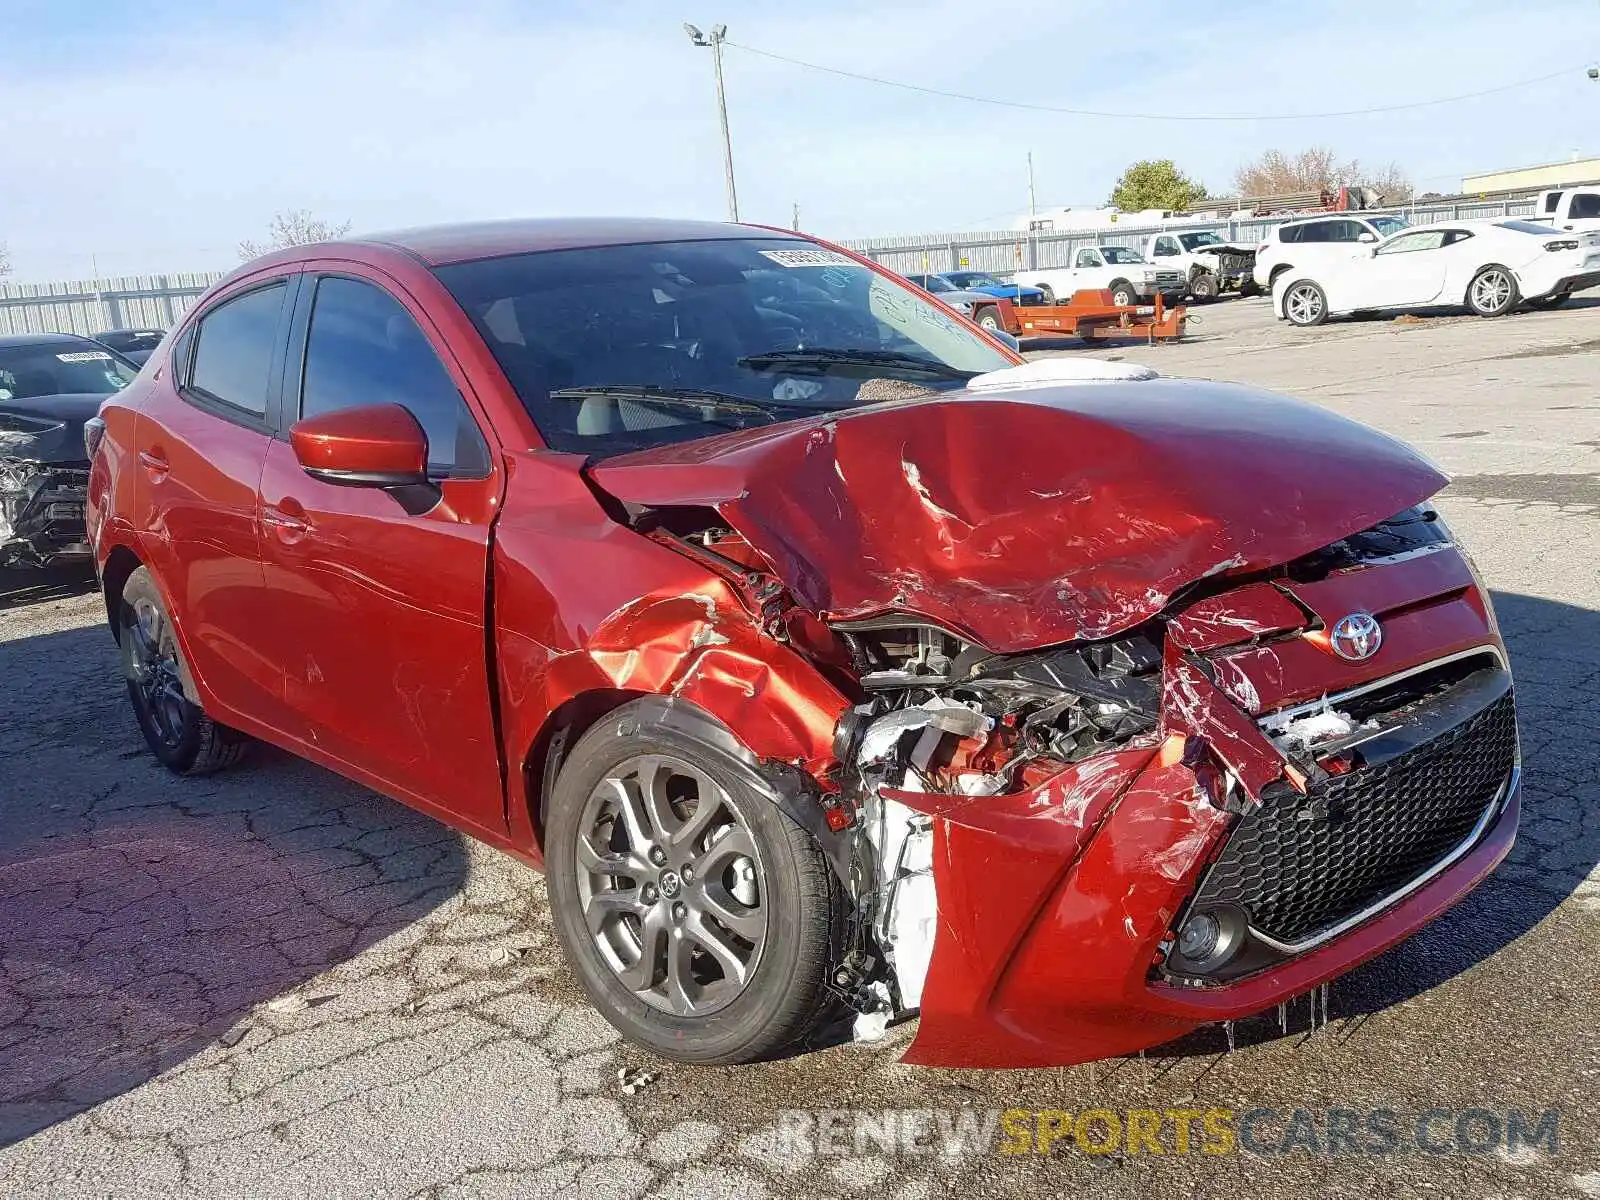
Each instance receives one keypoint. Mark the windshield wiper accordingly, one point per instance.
(695, 398)
(821, 358)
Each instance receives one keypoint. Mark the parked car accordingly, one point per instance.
(1488, 266)
(1576, 210)
(985, 285)
(1117, 269)
(1306, 243)
(755, 623)
(50, 384)
(980, 307)
(1210, 265)
(135, 345)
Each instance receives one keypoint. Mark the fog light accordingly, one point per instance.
(1197, 940)
(1209, 939)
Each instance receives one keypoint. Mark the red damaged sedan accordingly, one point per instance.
(831, 660)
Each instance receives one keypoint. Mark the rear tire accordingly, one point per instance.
(631, 796)
(177, 730)
(1305, 304)
(1122, 292)
(1492, 292)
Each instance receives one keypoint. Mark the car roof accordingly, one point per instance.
(441, 245)
(11, 341)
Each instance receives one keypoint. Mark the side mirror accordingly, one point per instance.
(1366, 235)
(375, 445)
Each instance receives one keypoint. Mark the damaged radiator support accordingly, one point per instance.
(947, 718)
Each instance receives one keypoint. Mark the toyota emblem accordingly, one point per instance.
(1357, 636)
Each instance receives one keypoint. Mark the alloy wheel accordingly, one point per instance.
(153, 671)
(1490, 291)
(671, 886)
(1304, 304)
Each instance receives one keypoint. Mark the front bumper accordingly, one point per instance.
(1057, 906)
(42, 518)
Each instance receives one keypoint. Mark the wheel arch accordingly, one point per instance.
(791, 789)
(121, 563)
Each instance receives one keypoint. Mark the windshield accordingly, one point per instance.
(771, 327)
(972, 279)
(1121, 254)
(1192, 241)
(59, 369)
(938, 283)
(1386, 225)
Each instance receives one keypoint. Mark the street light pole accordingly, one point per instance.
(719, 34)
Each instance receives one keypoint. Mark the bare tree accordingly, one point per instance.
(297, 227)
(1317, 170)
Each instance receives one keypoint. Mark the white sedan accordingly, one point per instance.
(1489, 266)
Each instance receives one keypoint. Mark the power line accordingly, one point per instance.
(1135, 116)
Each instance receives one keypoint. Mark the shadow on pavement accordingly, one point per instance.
(1555, 652)
(143, 916)
(20, 586)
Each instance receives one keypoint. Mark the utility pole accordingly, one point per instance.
(1033, 203)
(795, 224)
(719, 34)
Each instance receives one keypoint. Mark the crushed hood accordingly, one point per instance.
(1034, 516)
(47, 429)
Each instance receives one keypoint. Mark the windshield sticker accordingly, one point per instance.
(808, 258)
(85, 356)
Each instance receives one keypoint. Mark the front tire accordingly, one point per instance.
(1492, 292)
(1305, 304)
(1203, 287)
(1122, 292)
(988, 318)
(1049, 294)
(699, 918)
(177, 730)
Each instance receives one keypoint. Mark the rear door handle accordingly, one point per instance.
(155, 462)
(289, 527)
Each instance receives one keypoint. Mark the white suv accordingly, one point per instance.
(1315, 240)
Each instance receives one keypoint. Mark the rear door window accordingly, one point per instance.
(233, 349)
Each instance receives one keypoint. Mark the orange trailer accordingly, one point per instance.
(1091, 314)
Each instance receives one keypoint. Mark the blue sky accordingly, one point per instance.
(154, 136)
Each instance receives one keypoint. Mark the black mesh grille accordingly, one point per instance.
(1300, 864)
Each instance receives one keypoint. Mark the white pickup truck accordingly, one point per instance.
(1577, 209)
(1117, 269)
(1209, 265)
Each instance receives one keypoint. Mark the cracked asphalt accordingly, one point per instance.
(275, 983)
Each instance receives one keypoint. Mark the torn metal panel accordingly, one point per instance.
(1193, 706)
(1053, 515)
(1242, 614)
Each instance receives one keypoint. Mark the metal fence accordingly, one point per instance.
(157, 301)
(88, 306)
(1000, 252)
